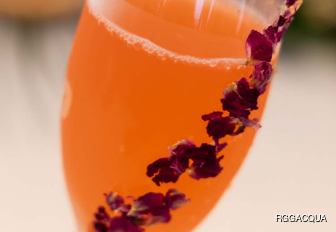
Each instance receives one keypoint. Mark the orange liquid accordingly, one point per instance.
(128, 99)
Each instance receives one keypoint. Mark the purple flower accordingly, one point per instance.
(153, 208)
(276, 31)
(175, 199)
(272, 34)
(169, 169)
(122, 224)
(262, 76)
(148, 209)
(212, 116)
(290, 3)
(114, 201)
(259, 47)
(205, 162)
(203, 159)
(163, 171)
(250, 123)
(104, 223)
(218, 126)
(100, 227)
(240, 99)
(148, 202)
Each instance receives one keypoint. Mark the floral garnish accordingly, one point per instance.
(261, 76)
(240, 99)
(291, 2)
(205, 162)
(200, 162)
(169, 169)
(149, 209)
(259, 47)
(238, 102)
(218, 126)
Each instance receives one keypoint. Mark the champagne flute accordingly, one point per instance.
(141, 74)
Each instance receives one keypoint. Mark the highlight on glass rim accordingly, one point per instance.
(167, 115)
(192, 76)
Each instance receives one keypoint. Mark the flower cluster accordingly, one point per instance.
(132, 216)
(202, 162)
(239, 100)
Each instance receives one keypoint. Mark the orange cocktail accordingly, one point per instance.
(141, 74)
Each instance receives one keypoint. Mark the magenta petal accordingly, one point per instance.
(149, 209)
(259, 47)
(101, 214)
(156, 165)
(181, 149)
(123, 224)
(100, 227)
(175, 199)
(160, 215)
(220, 127)
(272, 34)
(281, 21)
(212, 116)
(164, 170)
(248, 95)
(261, 76)
(149, 201)
(205, 162)
(240, 101)
(114, 201)
(290, 3)
(166, 175)
(206, 169)
(169, 169)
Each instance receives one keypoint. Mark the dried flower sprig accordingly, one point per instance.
(132, 216)
(239, 100)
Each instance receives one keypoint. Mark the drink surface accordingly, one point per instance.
(141, 74)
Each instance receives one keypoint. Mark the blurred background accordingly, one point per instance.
(297, 136)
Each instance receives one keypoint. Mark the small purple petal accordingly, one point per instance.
(251, 123)
(262, 76)
(114, 201)
(101, 214)
(241, 100)
(220, 127)
(290, 3)
(167, 170)
(281, 21)
(166, 175)
(248, 95)
(272, 34)
(259, 47)
(100, 227)
(148, 201)
(206, 169)
(156, 165)
(205, 162)
(149, 209)
(221, 147)
(212, 116)
(160, 215)
(162, 171)
(122, 224)
(181, 149)
(175, 199)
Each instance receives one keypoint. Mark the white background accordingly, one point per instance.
(291, 168)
